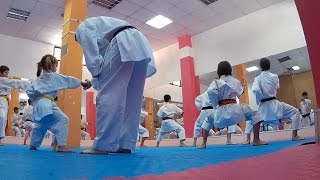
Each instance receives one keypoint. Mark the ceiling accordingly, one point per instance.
(299, 57)
(189, 17)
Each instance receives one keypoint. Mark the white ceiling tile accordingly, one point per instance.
(55, 23)
(143, 15)
(203, 13)
(37, 19)
(59, 3)
(94, 10)
(26, 5)
(266, 3)
(115, 15)
(126, 8)
(44, 9)
(187, 20)
(183, 32)
(222, 6)
(5, 4)
(191, 6)
(158, 6)
(248, 6)
(4, 12)
(11, 26)
(57, 13)
(233, 13)
(174, 2)
(173, 13)
(140, 2)
(172, 28)
(133, 21)
(146, 29)
(29, 31)
(46, 31)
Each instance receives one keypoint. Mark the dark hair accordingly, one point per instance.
(167, 98)
(46, 63)
(29, 101)
(15, 108)
(304, 94)
(265, 64)
(4, 68)
(224, 68)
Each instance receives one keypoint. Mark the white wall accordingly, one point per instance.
(22, 55)
(157, 93)
(266, 32)
(168, 67)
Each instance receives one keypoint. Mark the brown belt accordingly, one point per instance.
(227, 101)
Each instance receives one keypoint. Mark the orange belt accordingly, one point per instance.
(227, 101)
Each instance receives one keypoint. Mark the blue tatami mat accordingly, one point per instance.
(17, 162)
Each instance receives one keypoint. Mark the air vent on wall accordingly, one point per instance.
(207, 2)
(286, 58)
(18, 14)
(109, 4)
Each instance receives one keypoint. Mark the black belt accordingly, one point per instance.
(122, 29)
(268, 99)
(207, 107)
(306, 115)
(29, 120)
(166, 118)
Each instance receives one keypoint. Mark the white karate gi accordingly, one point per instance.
(28, 120)
(119, 66)
(46, 113)
(224, 88)
(17, 125)
(265, 86)
(143, 132)
(305, 106)
(5, 87)
(202, 101)
(168, 110)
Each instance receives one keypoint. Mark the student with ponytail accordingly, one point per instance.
(47, 115)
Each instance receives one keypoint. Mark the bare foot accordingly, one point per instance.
(259, 143)
(64, 149)
(194, 144)
(297, 138)
(182, 145)
(229, 143)
(33, 148)
(94, 151)
(143, 146)
(202, 146)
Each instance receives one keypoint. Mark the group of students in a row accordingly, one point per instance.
(220, 109)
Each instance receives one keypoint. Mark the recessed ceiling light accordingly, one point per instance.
(295, 68)
(159, 21)
(252, 68)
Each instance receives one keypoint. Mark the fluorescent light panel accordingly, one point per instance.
(159, 22)
(18, 14)
(295, 68)
(252, 68)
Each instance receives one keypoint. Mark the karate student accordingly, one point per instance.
(203, 104)
(265, 88)
(47, 114)
(28, 121)
(305, 106)
(5, 87)
(223, 92)
(168, 124)
(17, 123)
(119, 58)
(143, 132)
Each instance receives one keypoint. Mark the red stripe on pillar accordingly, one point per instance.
(309, 15)
(91, 114)
(184, 41)
(190, 91)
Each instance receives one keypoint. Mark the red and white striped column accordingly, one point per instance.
(190, 83)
